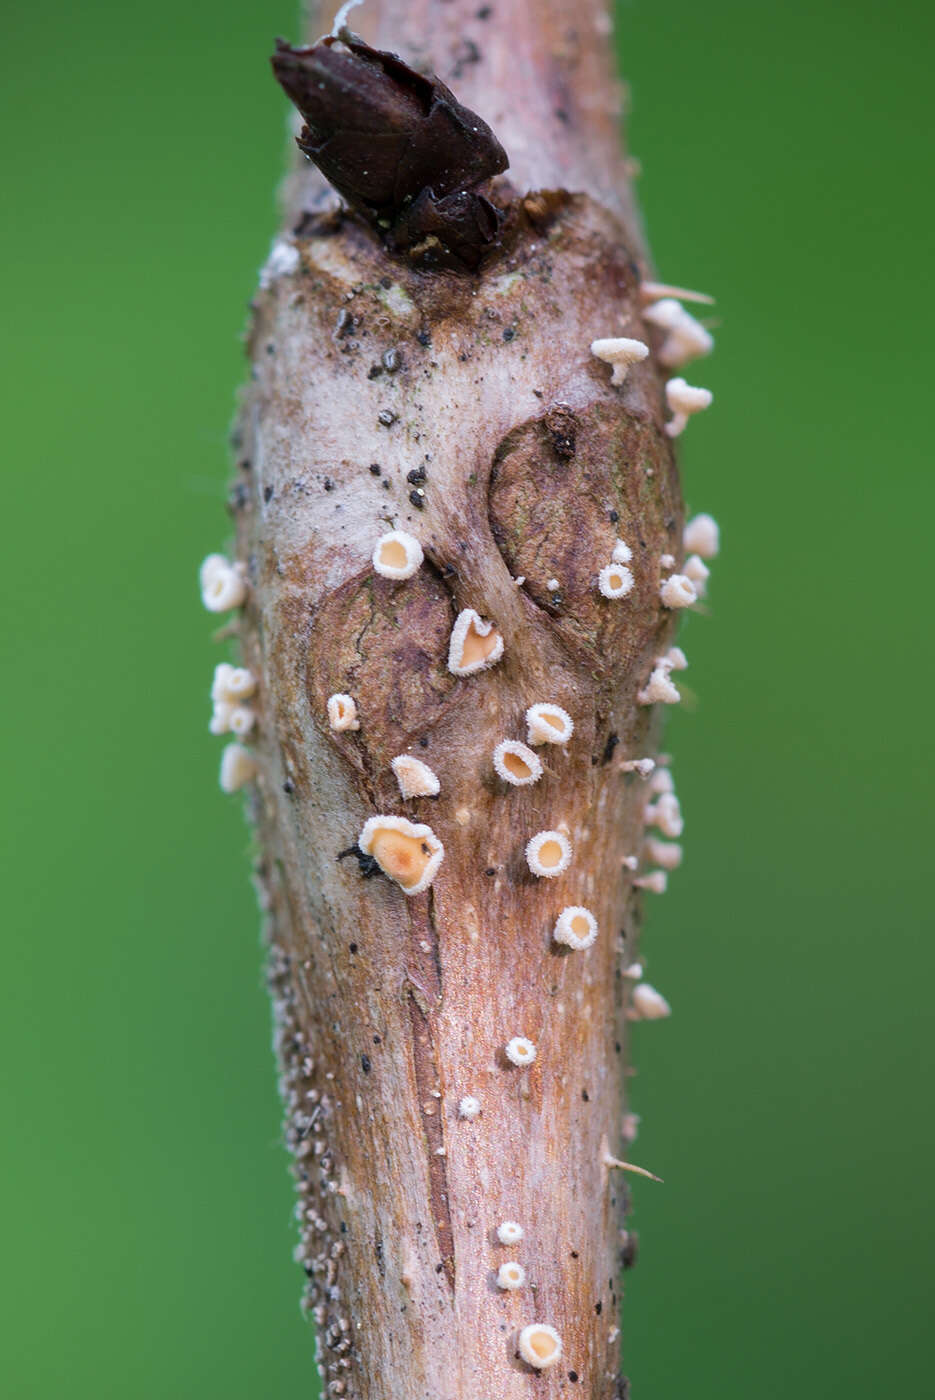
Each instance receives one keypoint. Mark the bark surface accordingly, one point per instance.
(468, 411)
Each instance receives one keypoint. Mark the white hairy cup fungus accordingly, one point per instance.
(520, 1051)
(510, 1276)
(469, 1107)
(666, 814)
(548, 724)
(408, 852)
(238, 766)
(414, 777)
(615, 581)
(668, 854)
(516, 764)
(223, 584)
(684, 400)
(620, 353)
(475, 644)
(702, 536)
(548, 853)
(510, 1232)
(342, 712)
(686, 339)
(540, 1345)
(397, 555)
(575, 926)
(648, 1004)
(659, 689)
(678, 591)
(232, 683)
(656, 882)
(696, 570)
(621, 553)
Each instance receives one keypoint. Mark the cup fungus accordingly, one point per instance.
(698, 572)
(620, 352)
(520, 1051)
(686, 339)
(575, 926)
(615, 581)
(648, 1004)
(702, 536)
(223, 584)
(668, 854)
(232, 683)
(414, 777)
(656, 882)
(516, 764)
(475, 644)
(469, 1107)
(510, 1232)
(407, 852)
(510, 1276)
(659, 689)
(342, 712)
(397, 555)
(238, 766)
(548, 853)
(643, 766)
(684, 400)
(621, 553)
(548, 724)
(662, 781)
(666, 813)
(540, 1345)
(678, 591)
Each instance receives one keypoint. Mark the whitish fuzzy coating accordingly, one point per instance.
(548, 724)
(469, 1107)
(223, 584)
(575, 926)
(620, 352)
(414, 777)
(668, 854)
(622, 553)
(659, 689)
(697, 570)
(686, 337)
(615, 581)
(238, 766)
(516, 764)
(684, 400)
(548, 853)
(342, 712)
(539, 1345)
(510, 1232)
(397, 555)
(475, 645)
(283, 261)
(232, 683)
(702, 536)
(649, 1004)
(655, 882)
(511, 1276)
(520, 1051)
(666, 813)
(678, 592)
(408, 852)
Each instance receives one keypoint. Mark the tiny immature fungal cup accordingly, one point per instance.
(408, 852)
(686, 338)
(621, 553)
(548, 854)
(510, 1232)
(621, 353)
(511, 1276)
(223, 584)
(520, 1051)
(516, 764)
(702, 536)
(232, 683)
(540, 1345)
(666, 814)
(414, 777)
(475, 644)
(548, 724)
(397, 555)
(684, 400)
(342, 712)
(615, 581)
(678, 591)
(469, 1107)
(575, 926)
(238, 767)
(648, 1004)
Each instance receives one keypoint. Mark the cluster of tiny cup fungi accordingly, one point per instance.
(410, 853)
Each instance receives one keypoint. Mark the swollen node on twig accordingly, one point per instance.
(540, 1345)
(397, 555)
(702, 536)
(469, 1107)
(223, 584)
(648, 1004)
(621, 353)
(238, 766)
(516, 764)
(686, 339)
(510, 1276)
(342, 712)
(678, 591)
(575, 926)
(510, 1232)
(621, 553)
(548, 724)
(684, 400)
(414, 777)
(475, 644)
(408, 852)
(615, 581)
(520, 1051)
(548, 853)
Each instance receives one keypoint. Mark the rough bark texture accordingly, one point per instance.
(390, 1009)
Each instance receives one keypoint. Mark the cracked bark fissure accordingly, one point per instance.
(391, 1009)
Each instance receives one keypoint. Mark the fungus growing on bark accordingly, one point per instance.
(686, 339)
(648, 1004)
(548, 724)
(668, 854)
(510, 1232)
(342, 712)
(232, 683)
(575, 926)
(698, 573)
(407, 852)
(678, 591)
(615, 581)
(414, 777)
(548, 853)
(238, 766)
(540, 1345)
(621, 353)
(659, 689)
(475, 644)
(397, 555)
(511, 1276)
(666, 814)
(656, 882)
(516, 764)
(469, 1107)
(702, 536)
(684, 400)
(643, 766)
(283, 261)
(621, 553)
(223, 584)
(520, 1051)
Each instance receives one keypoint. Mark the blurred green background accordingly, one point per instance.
(147, 1211)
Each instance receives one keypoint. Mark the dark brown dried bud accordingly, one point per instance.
(398, 146)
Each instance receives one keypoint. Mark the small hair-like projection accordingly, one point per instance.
(575, 926)
(408, 852)
(475, 644)
(397, 555)
(414, 777)
(516, 764)
(548, 724)
(548, 853)
(342, 712)
(539, 1345)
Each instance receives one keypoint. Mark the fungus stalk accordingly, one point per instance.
(427, 442)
